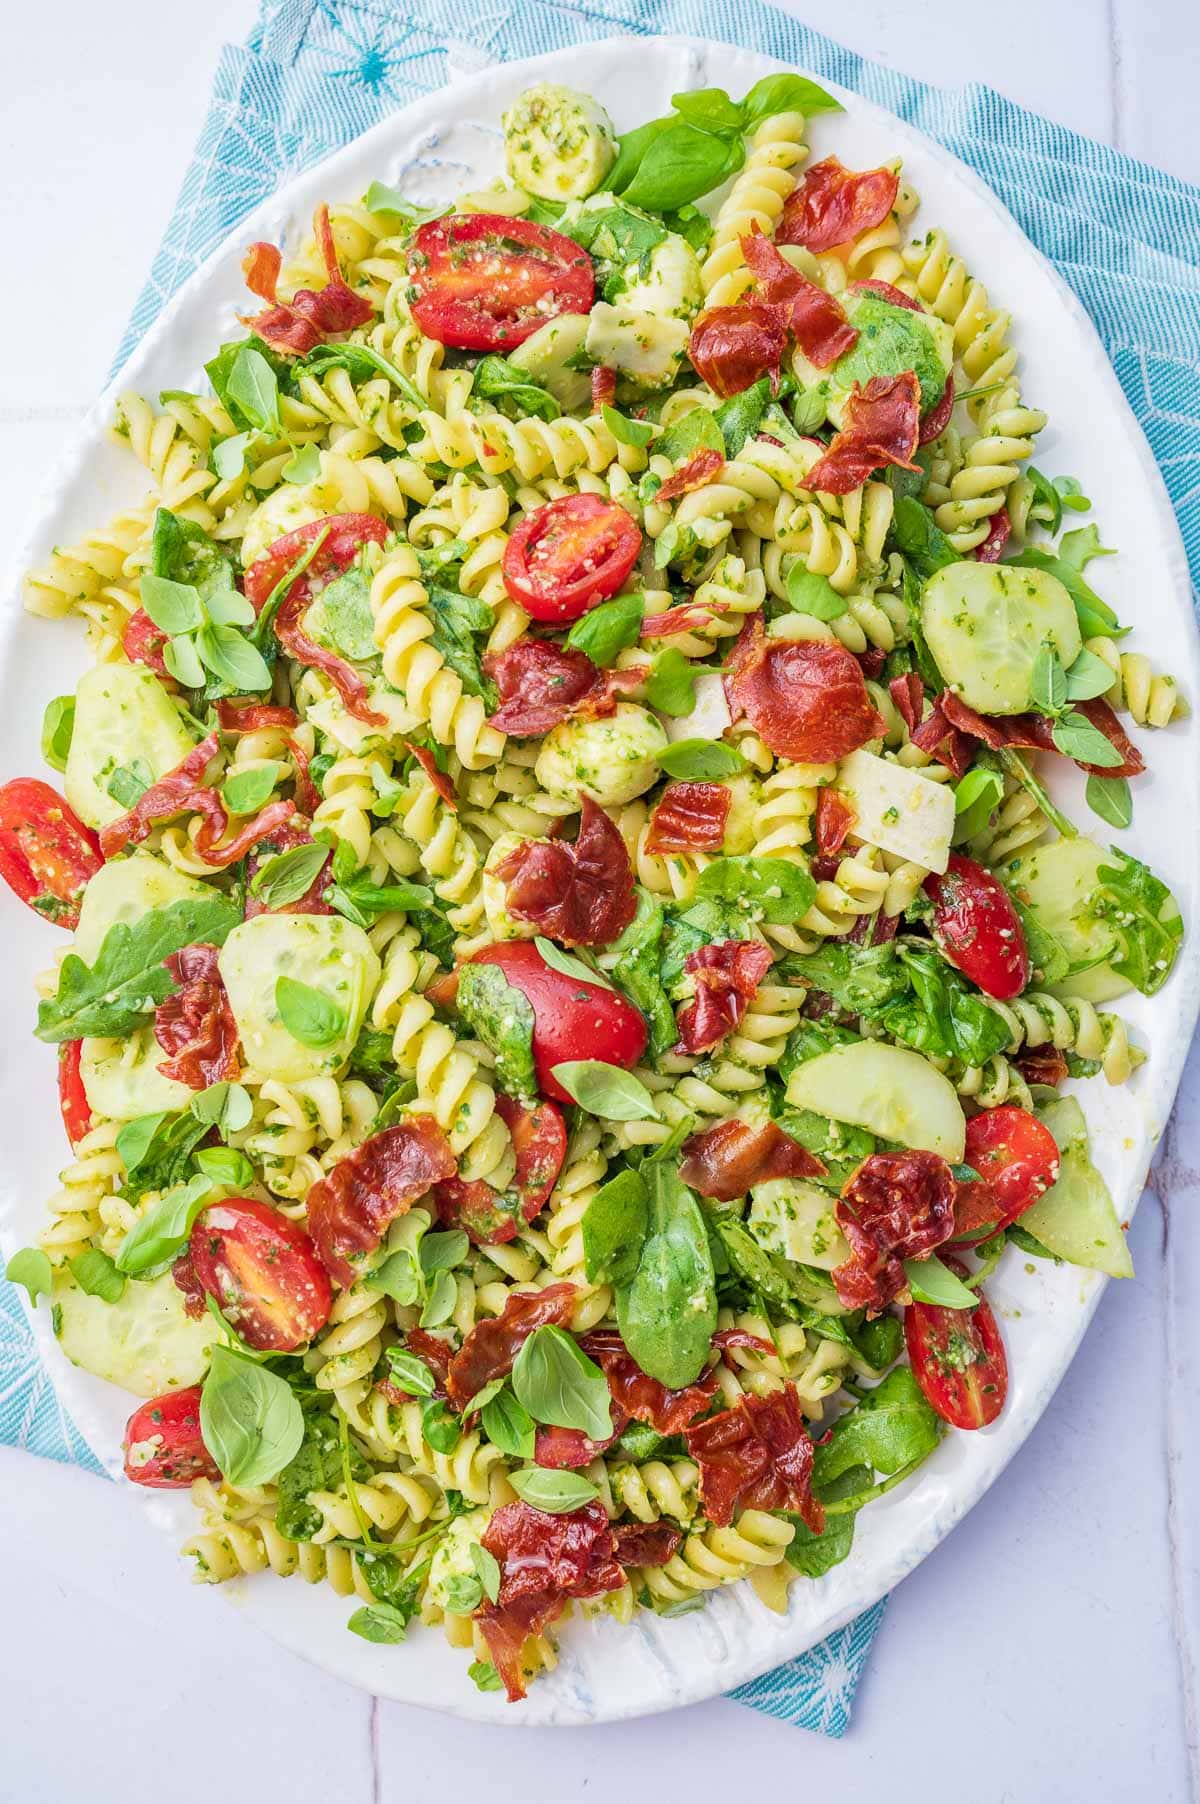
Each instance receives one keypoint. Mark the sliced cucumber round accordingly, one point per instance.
(894, 1092)
(986, 623)
(1056, 883)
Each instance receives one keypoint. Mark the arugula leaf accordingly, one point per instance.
(513, 390)
(360, 362)
(636, 955)
(1145, 917)
(502, 1017)
(456, 619)
(129, 978)
(1047, 502)
(814, 1555)
(668, 1310)
(891, 1428)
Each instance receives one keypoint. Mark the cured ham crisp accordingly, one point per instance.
(351, 1208)
(580, 892)
(881, 425)
(807, 700)
(726, 977)
(832, 204)
(541, 684)
(195, 1025)
(689, 817)
(726, 1160)
(296, 327)
(756, 1456)
(897, 1206)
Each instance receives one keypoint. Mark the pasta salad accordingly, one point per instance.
(572, 960)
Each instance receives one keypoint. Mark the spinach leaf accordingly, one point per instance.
(776, 890)
(668, 1310)
(696, 430)
(502, 1017)
(813, 1554)
(699, 925)
(891, 340)
(626, 431)
(1145, 917)
(799, 1290)
(558, 1384)
(156, 1151)
(944, 1017)
(129, 978)
(637, 953)
(613, 1226)
(892, 1427)
(513, 390)
(740, 417)
(315, 1466)
(456, 620)
(920, 538)
(861, 979)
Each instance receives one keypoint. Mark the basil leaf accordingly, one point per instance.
(227, 608)
(440, 1426)
(229, 455)
(682, 164)
(398, 1277)
(613, 1226)
(626, 431)
(254, 389)
(247, 790)
(558, 1384)
(1088, 677)
(502, 1017)
(309, 1015)
(304, 465)
(31, 1267)
(441, 1252)
(605, 1090)
(1048, 681)
(173, 607)
(226, 1107)
(288, 875)
(362, 901)
(1075, 737)
(508, 1425)
(701, 760)
(383, 1624)
(379, 198)
(183, 661)
(631, 151)
(484, 1677)
(668, 1311)
(440, 1301)
(58, 725)
(96, 1275)
(892, 1427)
(497, 380)
(155, 1239)
(932, 1282)
(769, 889)
(786, 93)
(410, 1373)
(920, 538)
(671, 684)
(814, 595)
(1111, 799)
(975, 795)
(711, 109)
(696, 430)
(553, 1491)
(740, 417)
(558, 960)
(226, 1166)
(129, 979)
(608, 629)
(233, 658)
(464, 1593)
(250, 1420)
(487, 1569)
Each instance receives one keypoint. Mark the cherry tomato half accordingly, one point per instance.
(142, 642)
(567, 556)
(47, 855)
(1016, 1157)
(263, 1271)
(489, 1216)
(485, 281)
(72, 1097)
(958, 1359)
(978, 929)
(571, 1019)
(164, 1448)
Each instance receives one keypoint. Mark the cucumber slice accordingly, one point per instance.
(327, 953)
(122, 1080)
(545, 358)
(558, 144)
(1076, 1218)
(145, 1341)
(124, 890)
(124, 719)
(1056, 884)
(986, 623)
(797, 1220)
(890, 1090)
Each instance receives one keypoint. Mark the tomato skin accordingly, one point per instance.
(1015, 1155)
(142, 642)
(492, 1217)
(977, 928)
(72, 1097)
(567, 556)
(168, 1428)
(958, 1359)
(47, 855)
(571, 1019)
(263, 1271)
(485, 281)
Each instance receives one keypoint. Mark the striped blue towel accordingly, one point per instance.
(316, 73)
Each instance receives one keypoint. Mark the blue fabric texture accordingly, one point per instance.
(315, 74)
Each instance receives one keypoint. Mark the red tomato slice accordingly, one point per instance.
(163, 1445)
(571, 1019)
(1015, 1156)
(47, 855)
(958, 1359)
(491, 1217)
(565, 557)
(72, 1097)
(263, 1272)
(485, 281)
(978, 929)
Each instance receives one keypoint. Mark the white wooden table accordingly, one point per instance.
(1048, 1651)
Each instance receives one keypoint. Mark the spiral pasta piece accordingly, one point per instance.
(718, 1556)
(754, 203)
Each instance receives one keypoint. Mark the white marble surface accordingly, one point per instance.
(1048, 1650)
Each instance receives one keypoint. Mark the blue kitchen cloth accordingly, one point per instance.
(316, 73)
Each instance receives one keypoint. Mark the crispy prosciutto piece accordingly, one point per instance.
(881, 425)
(909, 696)
(646, 1543)
(835, 818)
(725, 1160)
(580, 893)
(1043, 1065)
(731, 347)
(541, 683)
(816, 319)
(806, 700)
(635, 1394)
(689, 617)
(570, 1448)
(704, 467)
(944, 742)
(991, 549)
(727, 975)
(604, 387)
(492, 1345)
(219, 852)
(169, 796)
(195, 1024)
(689, 817)
(312, 902)
(440, 779)
(888, 292)
(297, 326)
(833, 205)
(757, 1455)
(896, 1206)
(305, 792)
(726, 1338)
(936, 422)
(251, 717)
(544, 1560)
(351, 1208)
(142, 642)
(1036, 732)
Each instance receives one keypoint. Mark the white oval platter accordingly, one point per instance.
(440, 146)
